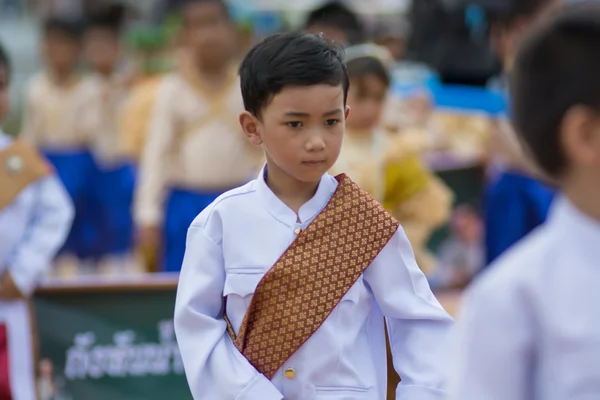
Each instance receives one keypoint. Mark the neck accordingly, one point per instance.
(213, 77)
(292, 192)
(107, 72)
(584, 195)
(62, 78)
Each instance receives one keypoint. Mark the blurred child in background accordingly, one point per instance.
(195, 148)
(529, 328)
(112, 191)
(35, 218)
(515, 192)
(336, 22)
(58, 118)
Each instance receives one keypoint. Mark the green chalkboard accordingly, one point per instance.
(117, 345)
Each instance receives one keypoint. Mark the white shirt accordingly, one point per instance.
(530, 327)
(33, 228)
(234, 242)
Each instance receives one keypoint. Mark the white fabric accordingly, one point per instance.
(234, 242)
(15, 315)
(529, 328)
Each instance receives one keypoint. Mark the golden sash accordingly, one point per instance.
(20, 165)
(304, 286)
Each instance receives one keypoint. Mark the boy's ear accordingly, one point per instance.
(251, 127)
(346, 112)
(580, 135)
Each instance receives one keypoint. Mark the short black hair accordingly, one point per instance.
(557, 67)
(110, 18)
(363, 66)
(338, 16)
(290, 59)
(4, 59)
(69, 27)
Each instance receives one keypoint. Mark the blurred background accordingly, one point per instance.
(104, 323)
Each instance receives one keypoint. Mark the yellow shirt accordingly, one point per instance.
(384, 165)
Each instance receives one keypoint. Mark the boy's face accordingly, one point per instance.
(367, 99)
(301, 130)
(4, 92)
(102, 50)
(61, 52)
(208, 34)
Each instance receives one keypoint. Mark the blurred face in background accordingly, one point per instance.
(208, 34)
(505, 37)
(367, 98)
(4, 91)
(61, 52)
(102, 49)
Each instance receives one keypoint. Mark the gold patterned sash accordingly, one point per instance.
(304, 286)
(20, 165)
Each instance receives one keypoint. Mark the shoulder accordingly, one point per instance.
(227, 204)
(513, 277)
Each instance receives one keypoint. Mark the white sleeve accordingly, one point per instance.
(45, 234)
(493, 347)
(214, 368)
(418, 326)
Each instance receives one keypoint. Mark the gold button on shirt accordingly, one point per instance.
(290, 373)
(297, 231)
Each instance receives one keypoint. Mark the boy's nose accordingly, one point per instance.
(315, 143)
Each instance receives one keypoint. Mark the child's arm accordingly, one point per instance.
(215, 369)
(46, 232)
(494, 352)
(417, 323)
(150, 193)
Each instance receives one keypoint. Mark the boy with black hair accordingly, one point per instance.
(337, 22)
(529, 327)
(517, 191)
(286, 280)
(35, 217)
(111, 196)
(58, 120)
(195, 149)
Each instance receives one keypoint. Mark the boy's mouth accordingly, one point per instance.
(313, 163)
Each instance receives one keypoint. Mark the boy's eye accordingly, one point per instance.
(331, 122)
(294, 124)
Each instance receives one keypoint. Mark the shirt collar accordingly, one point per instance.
(307, 212)
(580, 228)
